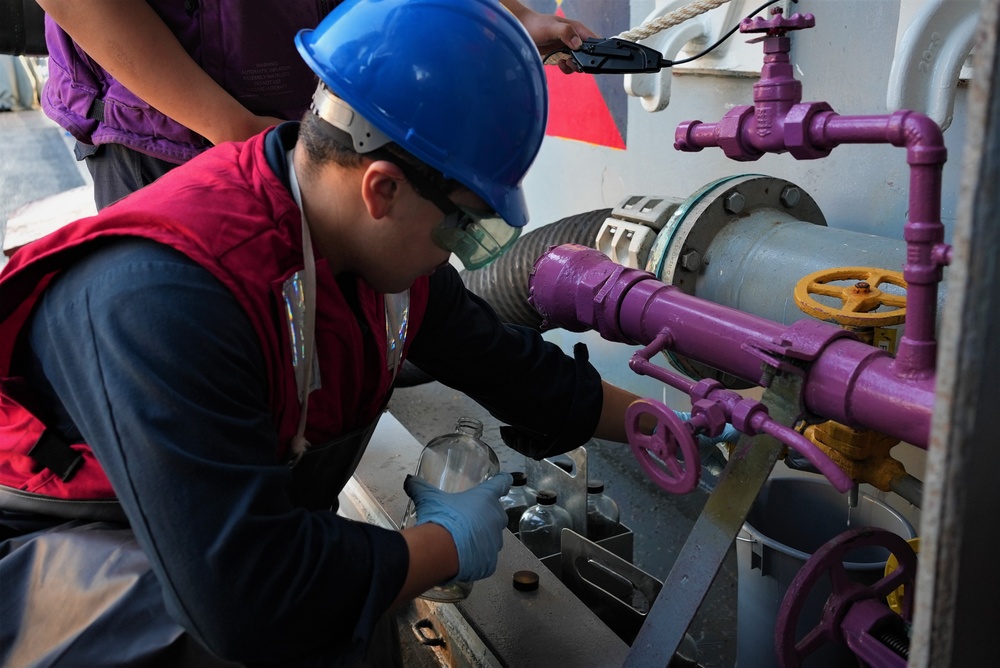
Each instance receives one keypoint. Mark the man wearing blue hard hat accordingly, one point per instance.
(190, 377)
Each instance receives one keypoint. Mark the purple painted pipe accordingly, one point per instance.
(578, 288)
(778, 122)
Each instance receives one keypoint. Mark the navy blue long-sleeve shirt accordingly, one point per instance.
(145, 356)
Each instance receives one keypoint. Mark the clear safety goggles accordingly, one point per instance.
(475, 237)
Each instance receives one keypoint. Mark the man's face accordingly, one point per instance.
(406, 248)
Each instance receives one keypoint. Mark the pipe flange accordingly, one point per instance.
(682, 250)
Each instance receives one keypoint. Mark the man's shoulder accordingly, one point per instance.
(124, 261)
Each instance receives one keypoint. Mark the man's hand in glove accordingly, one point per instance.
(729, 434)
(474, 518)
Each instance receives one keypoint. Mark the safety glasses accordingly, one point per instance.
(475, 237)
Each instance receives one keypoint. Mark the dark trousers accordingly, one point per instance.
(119, 170)
(78, 593)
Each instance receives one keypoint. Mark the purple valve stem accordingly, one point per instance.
(779, 122)
(712, 406)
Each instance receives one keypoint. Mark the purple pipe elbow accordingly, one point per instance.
(811, 130)
(857, 385)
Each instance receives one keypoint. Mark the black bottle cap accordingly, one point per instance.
(545, 497)
(525, 580)
(595, 486)
(520, 478)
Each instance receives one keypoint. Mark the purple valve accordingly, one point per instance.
(778, 25)
(845, 380)
(669, 455)
(712, 406)
(779, 122)
(854, 614)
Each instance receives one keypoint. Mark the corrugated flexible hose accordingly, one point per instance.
(504, 282)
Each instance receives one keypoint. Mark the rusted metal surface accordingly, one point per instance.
(497, 624)
(954, 621)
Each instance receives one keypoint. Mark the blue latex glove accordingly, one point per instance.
(729, 433)
(474, 518)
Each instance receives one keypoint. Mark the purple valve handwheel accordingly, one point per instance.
(670, 454)
(853, 609)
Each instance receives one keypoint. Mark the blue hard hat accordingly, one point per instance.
(457, 83)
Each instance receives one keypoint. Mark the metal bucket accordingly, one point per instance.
(791, 519)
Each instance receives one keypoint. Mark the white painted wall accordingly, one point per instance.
(845, 60)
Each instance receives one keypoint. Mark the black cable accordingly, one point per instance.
(726, 36)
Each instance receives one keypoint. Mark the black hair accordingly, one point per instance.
(325, 144)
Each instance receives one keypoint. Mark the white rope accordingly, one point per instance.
(669, 20)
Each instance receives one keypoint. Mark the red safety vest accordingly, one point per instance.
(230, 213)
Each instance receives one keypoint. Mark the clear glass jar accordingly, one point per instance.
(454, 462)
(603, 515)
(541, 525)
(517, 500)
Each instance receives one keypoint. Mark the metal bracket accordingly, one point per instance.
(618, 592)
(570, 488)
(714, 532)
(930, 56)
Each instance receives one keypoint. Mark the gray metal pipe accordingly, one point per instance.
(754, 263)
(909, 488)
(746, 241)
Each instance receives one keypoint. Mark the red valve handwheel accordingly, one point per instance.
(658, 452)
(829, 560)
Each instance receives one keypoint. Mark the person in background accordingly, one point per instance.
(189, 378)
(145, 85)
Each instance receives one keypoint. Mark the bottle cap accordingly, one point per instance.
(545, 497)
(595, 486)
(520, 478)
(525, 580)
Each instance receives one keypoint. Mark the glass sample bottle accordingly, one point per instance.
(454, 462)
(517, 500)
(603, 516)
(542, 524)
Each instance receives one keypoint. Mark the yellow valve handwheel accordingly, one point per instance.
(858, 301)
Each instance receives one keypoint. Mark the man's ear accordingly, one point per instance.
(381, 187)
